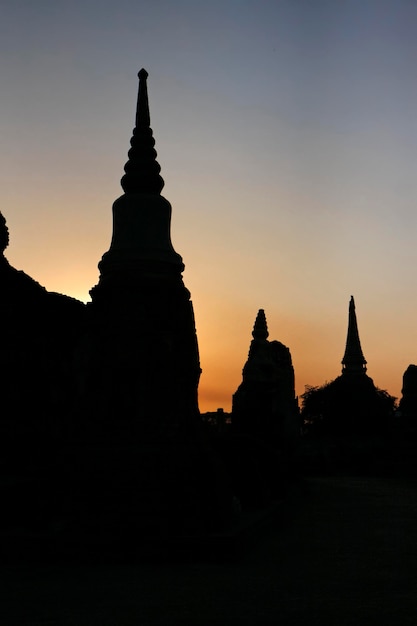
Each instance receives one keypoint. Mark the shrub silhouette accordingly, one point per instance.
(347, 405)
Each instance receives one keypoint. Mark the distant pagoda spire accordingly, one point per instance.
(142, 169)
(353, 361)
(260, 329)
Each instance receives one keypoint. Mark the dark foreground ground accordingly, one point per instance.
(343, 552)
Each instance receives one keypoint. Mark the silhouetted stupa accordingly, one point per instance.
(265, 405)
(146, 367)
(141, 419)
(351, 403)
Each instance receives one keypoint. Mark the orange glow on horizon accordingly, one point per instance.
(224, 333)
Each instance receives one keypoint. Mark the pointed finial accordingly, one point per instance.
(353, 360)
(142, 107)
(260, 329)
(142, 169)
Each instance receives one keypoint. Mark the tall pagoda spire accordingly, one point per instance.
(143, 368)
(142, 169)
(353, 361)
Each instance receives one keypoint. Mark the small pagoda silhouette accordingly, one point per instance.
(351, 404)
(264, 405)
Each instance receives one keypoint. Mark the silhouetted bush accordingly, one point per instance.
(349, 405)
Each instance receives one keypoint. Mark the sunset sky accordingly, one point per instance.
(286, 131)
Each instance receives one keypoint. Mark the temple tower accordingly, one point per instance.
(146, 456)
(353, 360)
(146, 363)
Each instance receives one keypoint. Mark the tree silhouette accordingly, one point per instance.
(347, 405)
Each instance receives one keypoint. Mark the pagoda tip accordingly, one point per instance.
(260, 329)
(142, 169)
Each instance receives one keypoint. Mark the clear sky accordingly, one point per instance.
(286, 132)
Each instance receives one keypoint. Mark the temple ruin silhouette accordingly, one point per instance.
(265, 404)
(37, 367)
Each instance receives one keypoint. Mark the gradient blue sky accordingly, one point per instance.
(286, 133)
